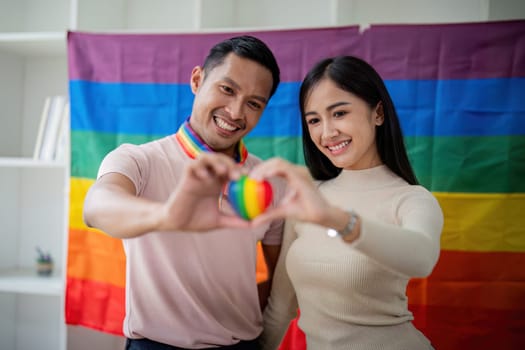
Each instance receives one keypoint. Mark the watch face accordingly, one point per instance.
(332, 233)
(348, 228)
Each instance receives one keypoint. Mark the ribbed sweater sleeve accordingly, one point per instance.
(412, 248)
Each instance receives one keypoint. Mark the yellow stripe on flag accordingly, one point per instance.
(476, 222)
(483, 222)
(79, 189)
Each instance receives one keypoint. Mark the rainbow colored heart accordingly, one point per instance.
(249, 197)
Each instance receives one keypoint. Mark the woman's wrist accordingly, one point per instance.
(345, 224)
(355, 231)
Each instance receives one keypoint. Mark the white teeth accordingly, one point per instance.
(223, 125)
(339, 146)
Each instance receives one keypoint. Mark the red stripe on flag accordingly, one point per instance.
(472, 300)
(462, 265)
(469, 328)
(95, 305)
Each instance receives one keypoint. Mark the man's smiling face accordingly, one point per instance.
(229, 101)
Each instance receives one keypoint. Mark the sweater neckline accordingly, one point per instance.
(367, 179)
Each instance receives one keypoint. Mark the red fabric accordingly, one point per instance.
(294, 338)
(95, 305)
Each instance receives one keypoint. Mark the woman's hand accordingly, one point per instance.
(302, 200)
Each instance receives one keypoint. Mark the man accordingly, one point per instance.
(190, 265)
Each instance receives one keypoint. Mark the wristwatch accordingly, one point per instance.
(347, 229)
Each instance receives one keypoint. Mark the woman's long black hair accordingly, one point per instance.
(361, 79)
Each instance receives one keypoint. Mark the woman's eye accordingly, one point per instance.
(312, 121)
(339, 114)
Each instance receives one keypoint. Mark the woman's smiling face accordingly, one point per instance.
(343, 126)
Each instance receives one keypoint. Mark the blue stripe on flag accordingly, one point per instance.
(475, 107)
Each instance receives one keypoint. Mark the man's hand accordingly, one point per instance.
(194, 206)
(111, 204)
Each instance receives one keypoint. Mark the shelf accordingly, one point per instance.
(34, 44)
(28, 282)
(24, 162)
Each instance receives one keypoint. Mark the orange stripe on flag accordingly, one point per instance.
(261, 271)
(480, 266)
(96, 256)
(96, 305)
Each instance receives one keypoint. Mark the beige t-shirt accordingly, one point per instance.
(190, 290)
(353, 296)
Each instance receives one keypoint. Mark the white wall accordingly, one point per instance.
(224, 15)
(311, 13)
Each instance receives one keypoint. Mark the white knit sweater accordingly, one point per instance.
(353, 296)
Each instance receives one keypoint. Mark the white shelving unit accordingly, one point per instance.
(33, 211)
(23, 281)
(34, 195)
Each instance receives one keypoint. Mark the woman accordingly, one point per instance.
(357, 235)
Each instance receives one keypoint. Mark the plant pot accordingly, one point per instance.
(44, 268)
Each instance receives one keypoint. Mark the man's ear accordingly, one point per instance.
(197, 76)
(379, 114)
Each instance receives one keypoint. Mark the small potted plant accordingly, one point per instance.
(44, 263)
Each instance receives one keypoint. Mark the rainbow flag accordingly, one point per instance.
(458, 89)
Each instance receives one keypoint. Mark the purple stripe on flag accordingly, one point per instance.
(465, 50)
(447, 51)
(169, 58)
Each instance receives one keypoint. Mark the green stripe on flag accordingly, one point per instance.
(290, 148)
(494, 164)
(89, 148)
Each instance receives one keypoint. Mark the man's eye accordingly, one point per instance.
(227, 89)
(254, 105)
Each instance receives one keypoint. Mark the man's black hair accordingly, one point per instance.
(245, 46)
